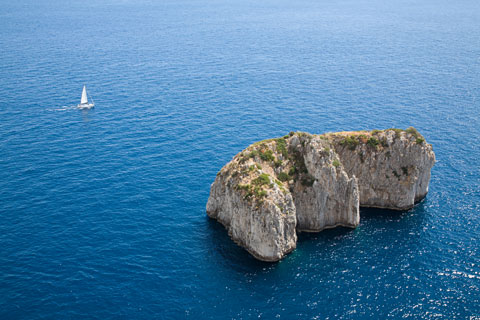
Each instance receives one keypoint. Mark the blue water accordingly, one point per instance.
(103, 211)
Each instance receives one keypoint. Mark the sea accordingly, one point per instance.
(102, 211)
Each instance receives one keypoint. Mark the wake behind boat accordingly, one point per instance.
(84, 100)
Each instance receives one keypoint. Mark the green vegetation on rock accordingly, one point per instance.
(259, 192)
(384, 143)
(350, 142)
(373, 142)
(256, 188)
(307, 180)
(267, 155)
(282, 147)
(419, 139)
(299, 162)
(413, 132)
(283, 176)
(397, 132)
(292, 171)
(262, 179)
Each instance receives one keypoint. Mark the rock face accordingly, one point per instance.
(265, 226)
(304, 182)
(330, 197)
(392, 166)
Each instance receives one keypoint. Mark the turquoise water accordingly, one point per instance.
(103, 211)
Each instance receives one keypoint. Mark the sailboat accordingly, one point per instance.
(84, 100)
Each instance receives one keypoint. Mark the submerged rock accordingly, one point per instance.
(304, 182)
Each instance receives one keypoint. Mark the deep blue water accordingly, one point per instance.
(103, 211)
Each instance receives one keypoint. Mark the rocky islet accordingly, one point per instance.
(305, 182)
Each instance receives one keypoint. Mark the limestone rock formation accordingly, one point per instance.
(327, 197)
(392, 166)
(304, 182)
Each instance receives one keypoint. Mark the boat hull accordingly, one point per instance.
(85, 106)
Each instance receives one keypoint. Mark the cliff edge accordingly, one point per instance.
(304, 182)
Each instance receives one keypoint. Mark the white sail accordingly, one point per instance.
(84, 96)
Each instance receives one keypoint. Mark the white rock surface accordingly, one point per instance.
(332, 200)
(394, 175)
(265, 228)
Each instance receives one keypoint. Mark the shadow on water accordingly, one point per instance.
(366, 215)
(229, 254)
(414, 216)
(324, 235)
(383, 214)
